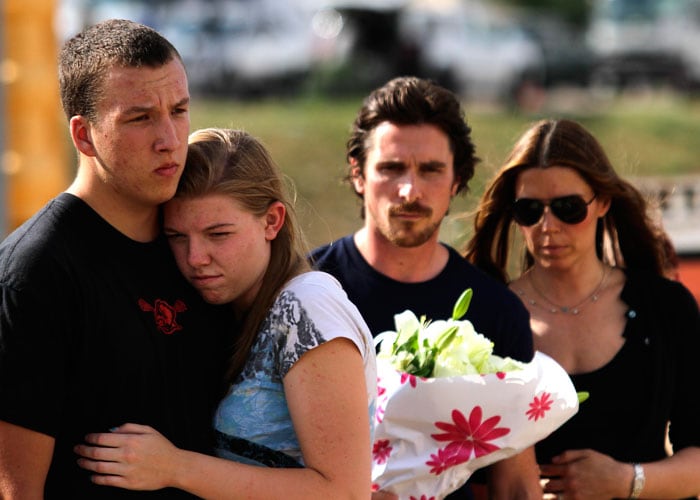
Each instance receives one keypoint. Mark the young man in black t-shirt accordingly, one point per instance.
(97, 326)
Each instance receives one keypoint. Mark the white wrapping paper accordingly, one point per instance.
(433, 433)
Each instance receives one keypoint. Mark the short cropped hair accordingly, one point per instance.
(85, 59)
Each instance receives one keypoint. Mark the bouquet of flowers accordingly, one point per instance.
(448, 406)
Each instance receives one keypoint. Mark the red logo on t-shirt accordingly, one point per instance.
(164, 314)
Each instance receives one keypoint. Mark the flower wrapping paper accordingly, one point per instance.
(433, 433)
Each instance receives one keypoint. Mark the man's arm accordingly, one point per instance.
(516, 478)
(25, 456)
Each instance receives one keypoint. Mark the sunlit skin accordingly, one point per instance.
(132, 155)
(221, 248)
(407, 184)
(553, 243)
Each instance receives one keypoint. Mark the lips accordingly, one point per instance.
(410, 211)
(168, 170)
(204, 280)
(551, 249)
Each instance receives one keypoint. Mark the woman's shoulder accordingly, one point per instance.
(311, 280)
(657, 290)
(318, 289)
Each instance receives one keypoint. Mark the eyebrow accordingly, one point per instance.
(430, 163)
(433, 164)
(218, 225)
(142, 109)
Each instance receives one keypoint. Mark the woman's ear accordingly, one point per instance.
(80, 132)
(274, 219)
(603, 206)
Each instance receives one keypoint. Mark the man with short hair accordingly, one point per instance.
(409, 154)
(97, 325)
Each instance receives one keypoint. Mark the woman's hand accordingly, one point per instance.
(586, 474)
(133, 456)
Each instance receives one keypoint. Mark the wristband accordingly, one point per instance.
(637, 481)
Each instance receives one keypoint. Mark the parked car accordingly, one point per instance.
(646, 41)
(242, 47)
(473, 47)
(568, 60)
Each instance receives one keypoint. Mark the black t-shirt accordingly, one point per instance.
(649, 382)
(97, 330)
(495, 311)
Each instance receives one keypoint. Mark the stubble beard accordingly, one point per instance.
(405, 236)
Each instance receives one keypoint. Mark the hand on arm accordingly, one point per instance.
(25, 456)
(327, 400)
(136, 457)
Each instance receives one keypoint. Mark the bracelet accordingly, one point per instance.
(637, 481)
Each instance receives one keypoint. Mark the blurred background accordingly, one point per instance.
(294, 72)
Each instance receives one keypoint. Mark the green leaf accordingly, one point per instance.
(462, 304)
(409, 345)
(582, 396)
(446, 338)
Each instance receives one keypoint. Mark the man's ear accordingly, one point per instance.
(81, 134)
(357, 177)
(274, 220)
(455, 187)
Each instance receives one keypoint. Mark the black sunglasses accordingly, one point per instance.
(571, 209)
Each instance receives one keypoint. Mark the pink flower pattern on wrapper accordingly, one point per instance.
(539, 406)
(381, 451)
(465, 437)
(422, 497)
(407, 376)
(381, 402)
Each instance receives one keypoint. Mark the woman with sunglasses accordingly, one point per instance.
(592, 279)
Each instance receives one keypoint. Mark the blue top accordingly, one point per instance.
(253, 423)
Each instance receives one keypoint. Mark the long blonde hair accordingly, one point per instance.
(234, 163)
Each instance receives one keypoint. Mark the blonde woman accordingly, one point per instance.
(296, 421)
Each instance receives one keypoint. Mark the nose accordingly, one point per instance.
(197, 254)
(408, 187)
(168, 138)
(549, 220)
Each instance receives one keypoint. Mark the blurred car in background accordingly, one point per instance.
(473, 47)
(241, 47)
(257, 47)
(233, 47)
(646, 41)
(568, 59)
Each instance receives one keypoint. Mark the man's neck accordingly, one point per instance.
(140, 223)
(404, 264)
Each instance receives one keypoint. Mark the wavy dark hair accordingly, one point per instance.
(235, 164)
(409, 100)
(625, 236)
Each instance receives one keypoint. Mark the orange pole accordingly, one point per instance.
(35, 156)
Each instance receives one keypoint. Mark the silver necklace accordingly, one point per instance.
(556, 308)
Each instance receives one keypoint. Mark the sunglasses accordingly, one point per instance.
(571, 209)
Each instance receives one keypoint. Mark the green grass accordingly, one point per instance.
(644, 135)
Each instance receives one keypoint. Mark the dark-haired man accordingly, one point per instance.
(409, 153)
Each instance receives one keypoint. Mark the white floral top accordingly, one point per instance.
(252, 422)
